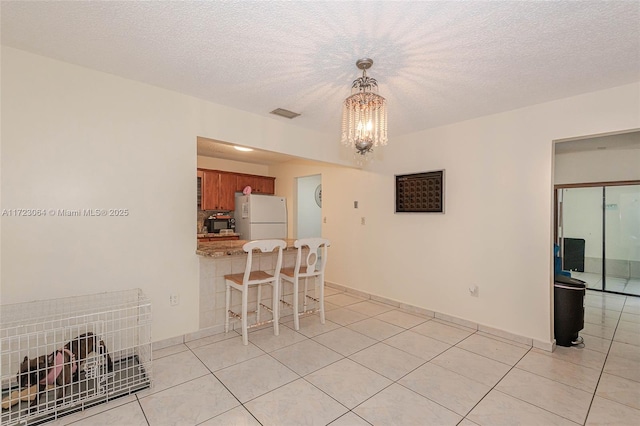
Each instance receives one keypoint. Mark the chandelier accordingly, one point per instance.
(364, 114)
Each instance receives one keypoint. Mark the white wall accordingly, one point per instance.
(72, 137)
(497, 230)
(597, 166)
(340, 187)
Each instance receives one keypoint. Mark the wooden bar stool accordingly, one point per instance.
(311, 267)
(242, 283)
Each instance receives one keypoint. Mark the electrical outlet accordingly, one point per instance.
(174, 299)
(362, 220)
(324, 220)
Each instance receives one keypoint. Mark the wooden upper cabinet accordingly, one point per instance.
(266, 185)
(227, 191)
(218, 190)
(258, 184)
(209, 190)
(244, 180)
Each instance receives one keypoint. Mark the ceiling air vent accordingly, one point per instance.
(285, 113)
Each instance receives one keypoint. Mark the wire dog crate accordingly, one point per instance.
(64, 355)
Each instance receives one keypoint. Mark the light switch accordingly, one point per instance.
(355, 204)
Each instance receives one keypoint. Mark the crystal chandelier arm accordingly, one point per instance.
(364, 83)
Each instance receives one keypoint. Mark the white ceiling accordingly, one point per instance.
(217, 149)
(436, 62)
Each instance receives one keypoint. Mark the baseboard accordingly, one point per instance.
(165, 343)
(205, 332)
(547, 346)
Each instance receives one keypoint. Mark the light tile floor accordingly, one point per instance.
(621, 285)
(372, 364)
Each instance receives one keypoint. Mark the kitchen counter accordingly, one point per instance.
(228, 248)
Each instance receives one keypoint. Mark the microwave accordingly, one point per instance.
(216, 223)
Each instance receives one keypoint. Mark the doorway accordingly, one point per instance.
(598, 234)
(309, 206)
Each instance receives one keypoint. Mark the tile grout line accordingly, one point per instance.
(300, 377)
(593, 393)
(225, 386)
(278, 387)
(143, 413)
(514, 397)
(347, 357)
(376, 341)
(605, 362)
(498, 382)
(593, 397)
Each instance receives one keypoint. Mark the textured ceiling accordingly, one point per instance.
(436, 62)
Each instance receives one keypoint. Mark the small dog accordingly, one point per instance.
(62, 367)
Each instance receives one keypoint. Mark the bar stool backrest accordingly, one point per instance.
(265, 246)
(315, 259)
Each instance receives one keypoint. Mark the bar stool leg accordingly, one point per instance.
(259, 300)
(321, 298)
(304, 299)
(245, 335)
(295, 297)
(228, 306)
(280, 297)
(275, 304)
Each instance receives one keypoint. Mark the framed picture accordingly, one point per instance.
(420, 192)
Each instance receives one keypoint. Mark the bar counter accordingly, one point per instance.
(228, 248)
(219, 258)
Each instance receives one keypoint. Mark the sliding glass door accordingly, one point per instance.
(598, 232)
(622, 239)
(580, 231)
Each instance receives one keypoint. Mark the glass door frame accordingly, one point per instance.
(557, 211)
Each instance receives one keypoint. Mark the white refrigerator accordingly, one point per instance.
(261, 217)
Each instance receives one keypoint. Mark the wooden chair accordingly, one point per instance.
(312, 266)
(243, 282)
